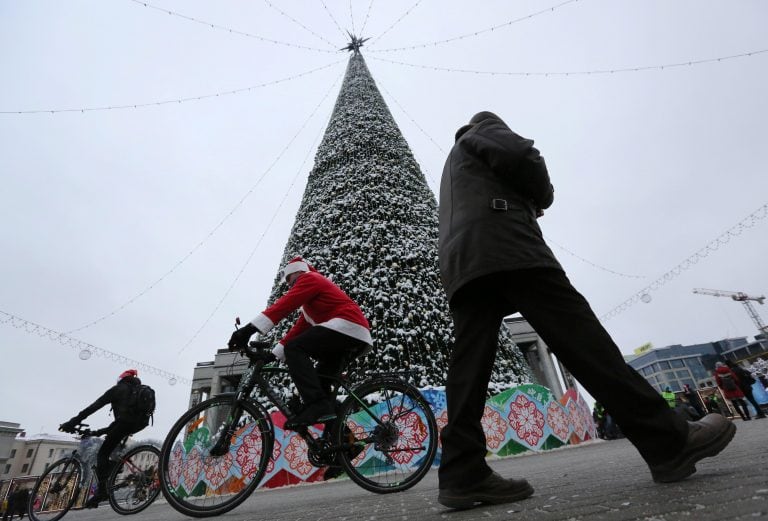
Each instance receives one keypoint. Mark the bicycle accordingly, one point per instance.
(215, 455)
(133, 482)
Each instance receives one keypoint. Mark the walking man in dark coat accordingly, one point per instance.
(494, 262)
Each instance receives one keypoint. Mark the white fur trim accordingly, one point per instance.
(349, 328)
(294, 267)
(263, 323)
(279, 351)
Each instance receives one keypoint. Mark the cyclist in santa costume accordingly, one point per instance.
(330, 326)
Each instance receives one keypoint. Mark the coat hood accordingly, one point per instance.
(477, 118)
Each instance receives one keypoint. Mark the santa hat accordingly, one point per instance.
(127, 373)
(295, 265)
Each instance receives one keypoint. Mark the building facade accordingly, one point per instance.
(30, 456)
(676, 366)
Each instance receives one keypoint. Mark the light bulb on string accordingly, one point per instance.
(84, 354)
(171, 381)
(646, 298)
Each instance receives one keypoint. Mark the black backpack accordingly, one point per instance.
(142, 403)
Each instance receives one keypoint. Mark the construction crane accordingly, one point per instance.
(742, 297)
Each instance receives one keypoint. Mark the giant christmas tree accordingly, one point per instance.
(368, 221)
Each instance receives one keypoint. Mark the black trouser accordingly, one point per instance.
(329, 348)
(564, 320)
(117, 431)
(741, 408)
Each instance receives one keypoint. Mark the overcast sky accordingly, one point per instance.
(170, 219)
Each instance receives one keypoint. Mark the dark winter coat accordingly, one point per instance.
(120, 398)
(494, 184)
(723, 372)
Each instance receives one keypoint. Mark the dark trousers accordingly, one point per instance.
(117, 431)
(741, 408)
(330, 348)
(564, 320)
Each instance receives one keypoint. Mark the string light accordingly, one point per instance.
(736, 230)
(172, 101)
(230, 30)
(351, 17)
(476, 33)
(258, 242)
(215, 228)
(396, 21)
(294, 20)
(578, 73)
(333, 19)
(85, 350)
(367, 14)
(603, 268)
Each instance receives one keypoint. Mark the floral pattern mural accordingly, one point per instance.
(524, 418)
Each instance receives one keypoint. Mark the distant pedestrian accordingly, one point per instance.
(746, 381)
(669, 396)
(728, 383)
(494, 262)
(694, 400)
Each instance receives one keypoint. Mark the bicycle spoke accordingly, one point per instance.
(390, 440)
(214, 456)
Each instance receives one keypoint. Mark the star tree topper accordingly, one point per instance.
(355, 43)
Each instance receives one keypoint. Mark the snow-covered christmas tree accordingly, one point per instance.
(368, 221)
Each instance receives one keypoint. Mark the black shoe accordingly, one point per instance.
(492, 490)
(706, 437)
(317, 412)
(95, 499)
(332, 472)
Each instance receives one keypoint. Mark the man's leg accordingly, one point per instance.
(465, 478)
(670, 445)
(477, 319)
(315, 343)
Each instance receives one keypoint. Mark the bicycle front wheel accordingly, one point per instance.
(387, 436)
(55, 491)
(135, 481)
(214, 456)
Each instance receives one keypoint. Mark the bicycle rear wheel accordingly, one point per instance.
(135, 481)
(388, 436)
(215, 455)
(55, 491)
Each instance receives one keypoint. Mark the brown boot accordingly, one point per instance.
(706, 437)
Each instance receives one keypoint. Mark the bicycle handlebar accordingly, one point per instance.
(83, 431)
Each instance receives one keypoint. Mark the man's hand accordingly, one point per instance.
(70, 425)
(539, 212)
(239, 339)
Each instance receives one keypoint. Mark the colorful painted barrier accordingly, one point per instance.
(524, 418)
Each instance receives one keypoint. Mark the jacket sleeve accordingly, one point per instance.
(103, 400)
(513, 157)
(303, 290)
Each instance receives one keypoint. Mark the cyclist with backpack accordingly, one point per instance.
(133, 404)
(728, 382)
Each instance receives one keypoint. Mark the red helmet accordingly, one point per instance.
(127, 373)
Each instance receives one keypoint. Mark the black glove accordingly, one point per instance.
(239, 339)
(70, 425)
(267, 356)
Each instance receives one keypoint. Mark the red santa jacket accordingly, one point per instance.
(322, 303)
